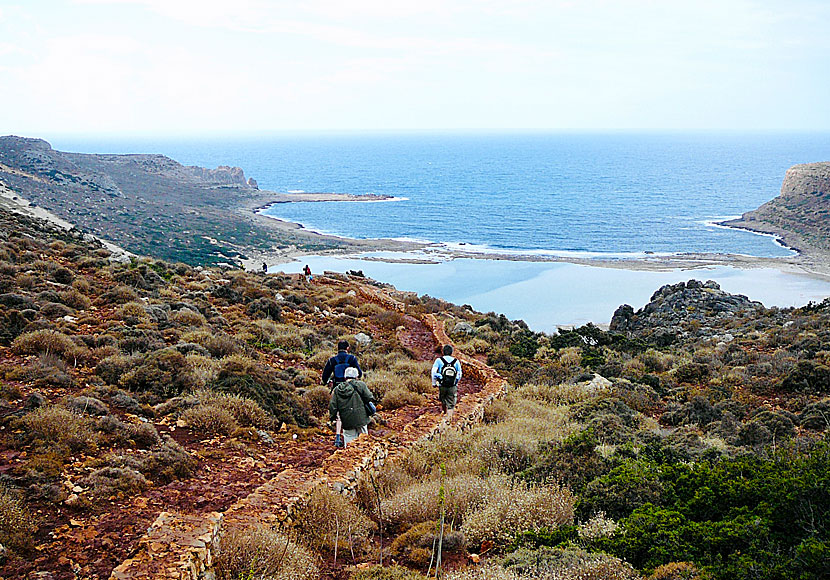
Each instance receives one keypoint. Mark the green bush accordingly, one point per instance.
(164, 373)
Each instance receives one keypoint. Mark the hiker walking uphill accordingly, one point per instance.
(336, 366)
(349, 402)
(446, 372)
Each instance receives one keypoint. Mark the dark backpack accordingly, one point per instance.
(341, 363)
(448, 374)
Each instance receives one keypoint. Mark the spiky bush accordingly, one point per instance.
(512, 508)
(55, 426)
(386, 573)
(259, 552)
(419, 502)
(17, 526)
(329, 520)
(116, 481)
(43, 342)
(210, 420)
(246, 412)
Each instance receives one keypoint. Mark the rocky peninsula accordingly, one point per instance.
(799, 215)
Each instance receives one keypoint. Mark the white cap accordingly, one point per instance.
(350, 373)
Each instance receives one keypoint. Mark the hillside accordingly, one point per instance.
(142, 202)
(133, 390)
(799, 215)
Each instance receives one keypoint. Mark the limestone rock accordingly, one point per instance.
(463, 328)
(362, 339)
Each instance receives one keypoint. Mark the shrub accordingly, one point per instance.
(132, 313)
(112, 368)
(625, 488)
(259, 552)
(330, 520)
(165, 373)
(169, 462)
(678, 571)
(386, 573)
(401, 397)
(512, 508)
(569, 563)
(187, 317)
(419, 543)
(210, 420)
(43, 342)
(17, 527)
(87, 406)
(53, 425)
(245, 411)
(242, 376)
(316, 401)
(418, 502)
(219, 344)
(116, 481)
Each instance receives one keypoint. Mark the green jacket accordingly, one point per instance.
(349, 398)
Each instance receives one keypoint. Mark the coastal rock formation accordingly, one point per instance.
(799, 215)
(673, 306)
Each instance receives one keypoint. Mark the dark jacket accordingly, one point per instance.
(349, 399)
(341, 358)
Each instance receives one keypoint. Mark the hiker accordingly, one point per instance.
(348, 405)
(446, 372)
(264, 268)
(307, 273)
(336, 366)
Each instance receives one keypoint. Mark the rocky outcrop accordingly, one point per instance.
(222, 176)
(799, 214)
(674, 306)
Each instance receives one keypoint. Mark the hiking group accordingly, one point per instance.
(352, 403)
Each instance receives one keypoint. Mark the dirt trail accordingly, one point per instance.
(181, 541)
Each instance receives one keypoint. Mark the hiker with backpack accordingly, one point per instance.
(336, 366)
(446, 372)
(352, 403)
(334, 373)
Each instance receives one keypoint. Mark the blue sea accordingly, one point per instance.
(615, 195)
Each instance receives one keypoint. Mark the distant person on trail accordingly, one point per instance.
(349, 400)
(264, 268)
(446, 372)
(307, 273)
(335, 369)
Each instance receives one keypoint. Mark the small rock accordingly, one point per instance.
(463, 328)
(265, 437)
(351, 293)
(362, 339)
(279, 297)
(73, 500)
(34, 401)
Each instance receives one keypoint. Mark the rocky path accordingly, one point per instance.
(181, 543)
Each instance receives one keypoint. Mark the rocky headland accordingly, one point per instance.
(799, 215)
(151, 204)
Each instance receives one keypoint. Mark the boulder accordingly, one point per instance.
(362, 339)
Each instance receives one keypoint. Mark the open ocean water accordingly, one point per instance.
(582, 194)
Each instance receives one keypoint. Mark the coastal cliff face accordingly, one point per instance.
(799, 215)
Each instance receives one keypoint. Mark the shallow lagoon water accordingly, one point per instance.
(550, 294)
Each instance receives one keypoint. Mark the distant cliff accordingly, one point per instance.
(147, 203)
(800, 215)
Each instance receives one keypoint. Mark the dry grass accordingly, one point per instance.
(245, 411)
(401, 397)
(511, 508)
(418, 502)
(44, 342)
(210, 420)
(261, 553)
(316, 401)
(16, 524)
(54, 425)
(329, 520)
(188, 317)
(204, 369)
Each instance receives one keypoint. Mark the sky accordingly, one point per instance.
(201, 67)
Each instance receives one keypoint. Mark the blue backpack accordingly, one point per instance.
(342, 363)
